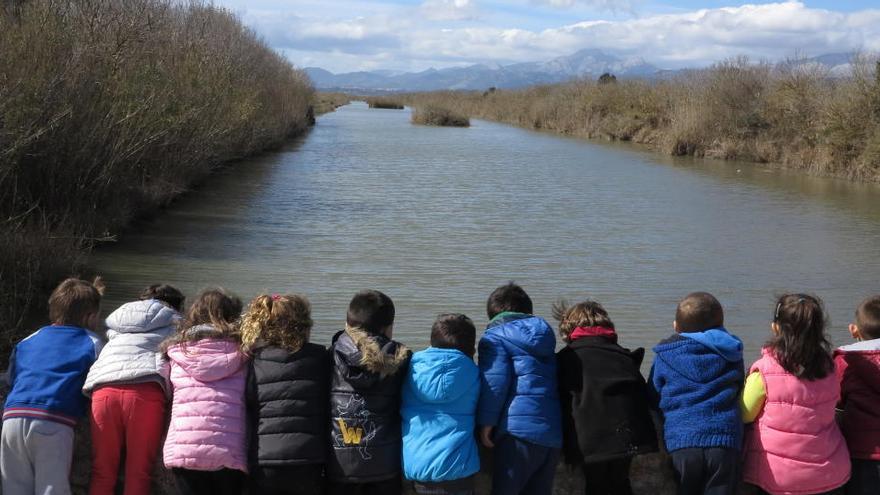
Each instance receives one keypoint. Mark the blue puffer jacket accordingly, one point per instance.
(696, 380)
(439, 407)
(519, 395)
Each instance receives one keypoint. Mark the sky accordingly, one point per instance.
(414, 35)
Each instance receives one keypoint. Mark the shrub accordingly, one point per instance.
(386, 103)
(439, 116)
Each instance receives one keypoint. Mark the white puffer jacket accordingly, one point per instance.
(135, 331)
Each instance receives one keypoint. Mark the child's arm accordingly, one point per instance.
(496, 370)
(753, 397)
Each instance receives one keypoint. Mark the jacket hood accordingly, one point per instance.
(694, 360)
(530, 333)
(208, 360)
(728, 346)
(863, 360)
(366, 358)
(603, 343)
(441, 375)
(142, 316)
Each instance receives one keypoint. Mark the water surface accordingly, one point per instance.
(437, 217)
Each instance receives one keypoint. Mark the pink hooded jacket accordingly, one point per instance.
(207, 431)
(795, 446)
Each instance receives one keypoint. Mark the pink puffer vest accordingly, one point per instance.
(207, 431)
(795, 446)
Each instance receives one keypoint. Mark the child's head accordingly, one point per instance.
(508, 297)
(214, 307)
(697, 312)
(282, 321)
(371, 311)
(164, 293)
(799, 342)
(454, 331)
(77, 303)
(584, 314)
(867, 323)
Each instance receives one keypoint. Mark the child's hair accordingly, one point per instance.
(868, 318)
(282, 321)
(74, 301)
(454, 331)
(371, 311)
(800, 345)
(508, 297)
(213, 307)
(165, 293)
(699, 311)
(588, 313)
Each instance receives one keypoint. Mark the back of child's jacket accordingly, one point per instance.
(519, 394)
(365, 388)
(135, 330)
(605, 407)
(208, 429)
(858, 369)
(47, 371)
(697, 378)
(439, 407)
(288, 403)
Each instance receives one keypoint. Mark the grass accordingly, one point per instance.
(384, 102)
(329, 102)
(439, 115)
(792, 115)
(112, 109)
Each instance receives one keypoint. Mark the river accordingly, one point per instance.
(437, 217)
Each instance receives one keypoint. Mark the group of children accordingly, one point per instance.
(256, 407)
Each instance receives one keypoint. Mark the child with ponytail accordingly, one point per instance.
(206, 444)
(795, 445)
(287, 397)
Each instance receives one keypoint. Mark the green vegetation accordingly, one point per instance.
(111, 109)
(383, 102)
(793, 115)
(439, 115)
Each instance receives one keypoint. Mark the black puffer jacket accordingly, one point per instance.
(287, 399)
(368, 372)
(605, 407)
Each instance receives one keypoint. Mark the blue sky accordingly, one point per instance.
(412, 35)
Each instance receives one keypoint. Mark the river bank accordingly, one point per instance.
(110, 110)
(790, 115)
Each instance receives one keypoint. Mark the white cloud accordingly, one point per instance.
(612, 5)
(411, 39)
(449, 10)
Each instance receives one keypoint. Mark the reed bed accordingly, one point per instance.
(385, 103)
(794, 115)
(111, 109)
(439, 115)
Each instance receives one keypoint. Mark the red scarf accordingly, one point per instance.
(579, 332)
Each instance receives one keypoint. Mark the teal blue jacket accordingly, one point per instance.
(439, 405)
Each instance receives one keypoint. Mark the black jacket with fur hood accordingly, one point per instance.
(367, 377)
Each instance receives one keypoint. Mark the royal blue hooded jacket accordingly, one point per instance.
(696, 379)
(439, 406)
(519, 395)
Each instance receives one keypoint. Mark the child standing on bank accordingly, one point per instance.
(858, 369)
(696, 380)
(439, 408)
(129, 392)
(606, 418)
(287, 397)
(795, 445)
(519, 412)
(47, 371)
(368, 371)
(206, 443)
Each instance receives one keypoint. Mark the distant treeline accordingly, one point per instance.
(793, 114)
(109, 109)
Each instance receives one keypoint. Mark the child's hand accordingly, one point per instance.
(486, 437)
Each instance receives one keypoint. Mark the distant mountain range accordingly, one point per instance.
(588, 63)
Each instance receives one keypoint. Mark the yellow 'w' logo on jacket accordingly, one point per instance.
(350, 436)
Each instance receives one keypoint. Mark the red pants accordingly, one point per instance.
(129, 418)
